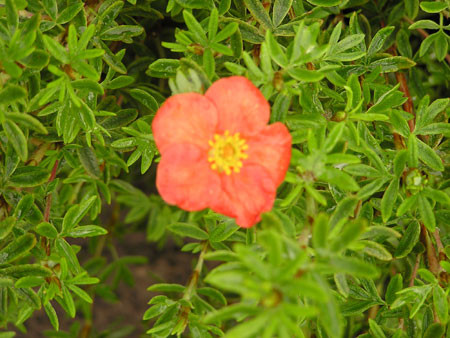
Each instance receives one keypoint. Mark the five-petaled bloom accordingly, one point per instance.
(218, 152)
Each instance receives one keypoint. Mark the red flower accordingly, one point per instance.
(218, 152)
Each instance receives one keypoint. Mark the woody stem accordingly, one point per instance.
(196, 273)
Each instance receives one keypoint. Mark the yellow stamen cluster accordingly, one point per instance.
(227, 152)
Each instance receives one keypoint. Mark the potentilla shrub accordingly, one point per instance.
(300, 146)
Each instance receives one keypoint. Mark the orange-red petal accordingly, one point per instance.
(241, 106)
(245, 195)
(185, 179)
(185, 118)
(271, 148)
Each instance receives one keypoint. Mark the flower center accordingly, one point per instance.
(227, 152)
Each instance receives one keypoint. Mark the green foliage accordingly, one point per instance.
(358, 242)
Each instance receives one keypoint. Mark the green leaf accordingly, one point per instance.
(379, 39)
(27, 121)
(325, 3)
(249, 328)
(376, 250)
(306, 75)
(195, 28)
(259, 13)
(213, 24)
(51, 8)
(30, 297)
(400, 162)
(389, 198)
(427, 43)
(163, 68)
(85, 69)
(16, 138)
(427, 115)
(275, 50)
(280, 10)
(144, 98)
(26, 177)
(128, 142)
(408, 241)
(347, 43)
(119, 82)
(340, 179)
(18, 248)
(223, 231)
(437, 195)
(434, 330)
(24, 206)
(47, 230)
(392, 64)
(426, 213)
(399, 123)
(434, 128)
(123, 118)
(6, 225)
(357, 307)
(196, 4)
(226, 32)
(52, 316)
(69, 13)
(406, 205)
(212, 294)
(351, 232)
(224, 6)
(76, 213)
(122, 33)
(12, 17)
(209, 63)
(23, 270)
(154, 311)
(11, 93)
(429, 156)
(353, 266)
(80, 293)
(68, 300)
(371, 188)
(164, 287)
(55, 49)
(66, 250)
(112, 60)
(424, 24)
(375, 329)
(433, 6)
(362, 170)
(388, 100)
(320, 231)
(403, 44)
(413, 150)
(440, 303)
(412, 8)
(38, 59)
(87, 231)
(88, 85)
(441, 46)
(395, 285)
(185, 229)
(89, 161)
(29, 282)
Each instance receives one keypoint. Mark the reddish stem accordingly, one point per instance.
(416, 267)
(408, 105)
(425, 35)
(433, 263)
